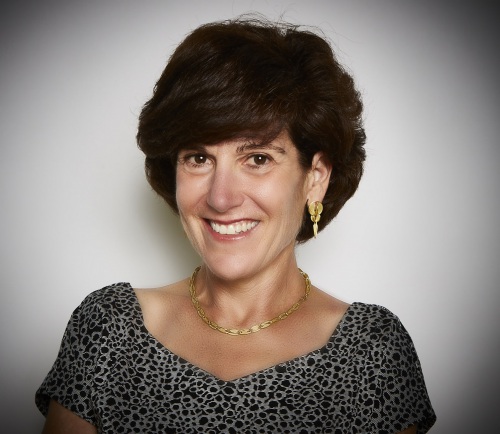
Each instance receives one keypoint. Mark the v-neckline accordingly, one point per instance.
(160, 346)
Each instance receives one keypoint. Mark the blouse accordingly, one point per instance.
(113, 373)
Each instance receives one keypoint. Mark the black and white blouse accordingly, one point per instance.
(111, 372)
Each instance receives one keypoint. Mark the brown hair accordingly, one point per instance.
(250, 78)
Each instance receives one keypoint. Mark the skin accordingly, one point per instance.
(62, 421)
(236, 181)
(257, 194)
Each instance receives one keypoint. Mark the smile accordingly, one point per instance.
(233, 228)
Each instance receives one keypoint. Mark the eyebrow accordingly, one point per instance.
(196, 147)
(259, 146)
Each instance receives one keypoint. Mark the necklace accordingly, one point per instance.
(256, 327)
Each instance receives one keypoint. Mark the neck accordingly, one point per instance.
(246, 301)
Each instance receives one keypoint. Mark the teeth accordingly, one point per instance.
(233, 228)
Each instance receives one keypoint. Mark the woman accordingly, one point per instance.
(254, 137)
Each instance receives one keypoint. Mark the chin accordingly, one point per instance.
(231, 267)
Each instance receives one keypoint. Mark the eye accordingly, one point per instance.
(198, 159)
(199, 162)
(259, 160)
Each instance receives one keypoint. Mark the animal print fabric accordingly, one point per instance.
(113, 373)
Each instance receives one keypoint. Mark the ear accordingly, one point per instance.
(318, 178)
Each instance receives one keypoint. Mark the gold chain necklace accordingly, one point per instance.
(256, 327)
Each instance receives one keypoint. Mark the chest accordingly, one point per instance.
(232, 357)
(179, 328)
(303, 393)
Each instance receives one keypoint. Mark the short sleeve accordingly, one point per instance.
(70, 381)
(401, 398)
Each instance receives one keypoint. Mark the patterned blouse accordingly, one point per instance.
(111, 372)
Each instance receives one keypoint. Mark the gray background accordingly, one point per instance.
(420, 237)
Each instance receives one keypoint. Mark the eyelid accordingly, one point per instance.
(257, 154)
(268, 161)
(191, 150)
(190, 164)
(187, 153)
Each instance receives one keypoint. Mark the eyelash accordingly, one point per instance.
(190, 159)
(256, 165)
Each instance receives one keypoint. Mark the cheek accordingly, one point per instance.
(178, 190)
(180, 197)
(187, 193)
(297, 198)
(286, 198)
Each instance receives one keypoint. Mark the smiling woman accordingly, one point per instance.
(253, 136)
(225, 188)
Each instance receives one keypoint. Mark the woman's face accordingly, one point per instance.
(241, 204)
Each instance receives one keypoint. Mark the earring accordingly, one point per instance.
(315, 209)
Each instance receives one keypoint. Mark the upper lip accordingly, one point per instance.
(230, 222)
(234, 228)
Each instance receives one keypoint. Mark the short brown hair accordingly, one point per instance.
(250, 78)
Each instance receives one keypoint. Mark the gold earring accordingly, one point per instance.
(315, 209)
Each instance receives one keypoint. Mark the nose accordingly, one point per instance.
(225, 189)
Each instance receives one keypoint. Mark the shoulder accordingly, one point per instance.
(105, 318)
(96, 327)
(163, 302)
(105, 306)
(115, 297)
(379, 329)
(385, 351)
(372, 318)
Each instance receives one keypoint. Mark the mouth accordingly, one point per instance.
(233, 228)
